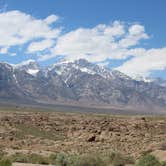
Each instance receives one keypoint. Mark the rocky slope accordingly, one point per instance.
(46, 132)
(79, 83)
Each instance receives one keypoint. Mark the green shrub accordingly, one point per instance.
(148, 160)
(90, 160)
(38, 159)
(5, 162)
(163, 163)
(19, 157)
(1, 154)
(61, 160)
(30, 158)
(117, 159)
(52, 158)
(73, 160)
(129, 160)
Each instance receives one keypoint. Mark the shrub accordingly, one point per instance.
(30, 158)
(117, 159)
(61, 160)
(90, 160)
(5, 162)
(73, 160)
(52, 158)
(1, 154)
(163, 163)
(38, 159)
(148, 160)
(18, 157)
(129, 160)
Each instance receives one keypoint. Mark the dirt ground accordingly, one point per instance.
(47, 133)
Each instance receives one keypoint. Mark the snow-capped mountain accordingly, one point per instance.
(144, 79)
(86, 67)
(159, 81)
(80, 83)
(30, 67)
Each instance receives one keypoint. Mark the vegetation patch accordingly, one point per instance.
(5, 162)
(36, 132)
(148, 160)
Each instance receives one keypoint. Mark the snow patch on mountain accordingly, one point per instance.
(32, 71)
(25, 63)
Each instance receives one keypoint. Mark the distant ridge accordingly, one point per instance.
(79, 83)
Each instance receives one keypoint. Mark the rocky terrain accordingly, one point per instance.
(79, 83)
(52, 132)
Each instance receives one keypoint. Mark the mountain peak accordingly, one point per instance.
(79, 82)
(30, 63)
(82, 62)
(30, 66)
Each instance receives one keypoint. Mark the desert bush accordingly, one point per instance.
(163, 163)
(129, 160)
(52, 158)
(61, 160)
(38, 159)
(148, 160)
(29, 158)
(117, 159)
(5, 162)
(73, 160)
(90, 160)
(19, 157)
(1, 154)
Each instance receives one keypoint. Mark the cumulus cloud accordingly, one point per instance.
(143, 65)
(99, 43)
(18, 28)
(51, 19)
(135, 34)
(106, 42)
(4, 50)
(40, 46)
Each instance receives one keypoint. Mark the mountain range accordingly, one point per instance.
(79, 83)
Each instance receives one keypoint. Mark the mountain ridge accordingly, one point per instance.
(80, 83)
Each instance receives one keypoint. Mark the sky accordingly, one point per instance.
(128, 36)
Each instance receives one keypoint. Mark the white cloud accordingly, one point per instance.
(107, 42)
(99, 43)
(135, 34)
(40, 46)
(26, 62)
(147, 62)
(17, 28)
(4, 50)
(51, 19)
(45, 57)
(136, 30)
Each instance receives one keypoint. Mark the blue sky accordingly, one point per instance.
(146, 16)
